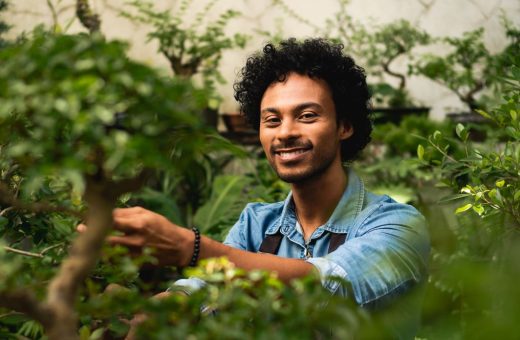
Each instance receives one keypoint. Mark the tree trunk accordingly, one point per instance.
(84, 253)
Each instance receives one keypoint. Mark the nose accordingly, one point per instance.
(288, 129)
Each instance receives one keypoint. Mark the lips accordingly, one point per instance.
(291, 154)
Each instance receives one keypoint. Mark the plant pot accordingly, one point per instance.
(236, 122)
(476, 124)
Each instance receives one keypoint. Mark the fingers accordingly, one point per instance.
(81, 228)
(132, 211)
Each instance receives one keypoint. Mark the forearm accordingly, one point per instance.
(174, 245)
(287, 269)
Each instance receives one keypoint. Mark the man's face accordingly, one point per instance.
(298, 128)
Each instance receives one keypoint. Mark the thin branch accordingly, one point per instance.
(50, 248)
(54, 14)
(22, 252)
(3, 212)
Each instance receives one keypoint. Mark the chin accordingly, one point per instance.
(293, 178)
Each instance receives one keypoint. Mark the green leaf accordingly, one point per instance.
(453, 198)
(516, 197)
(463, 208)
(227, 195)
(420, 152)
(479, 209)
(461, 131)
(514, 115)
(484, 114)
(500, 183)
(3, 221)
(97, 334)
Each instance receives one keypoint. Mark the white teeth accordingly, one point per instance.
(290, 154)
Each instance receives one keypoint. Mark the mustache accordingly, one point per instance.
(291, 144)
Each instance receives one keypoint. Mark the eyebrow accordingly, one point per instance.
(297, 108)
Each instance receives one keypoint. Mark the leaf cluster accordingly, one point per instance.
(487, 175)
(237, 304)
(190, 47)
(75, 105)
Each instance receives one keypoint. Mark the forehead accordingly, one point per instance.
(294, 90)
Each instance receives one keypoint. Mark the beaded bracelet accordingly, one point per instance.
(196, 248)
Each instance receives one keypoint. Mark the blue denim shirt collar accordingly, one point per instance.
(349, 206)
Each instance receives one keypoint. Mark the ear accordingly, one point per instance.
(345, 130)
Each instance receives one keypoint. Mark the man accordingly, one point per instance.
(310, 104)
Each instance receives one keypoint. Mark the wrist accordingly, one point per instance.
(187, 248)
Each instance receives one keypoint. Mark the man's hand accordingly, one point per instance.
(172, 244)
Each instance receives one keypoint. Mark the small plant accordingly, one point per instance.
(380, 49)
(377, 50)
(486, 175)
(191, 48)
(466, 70)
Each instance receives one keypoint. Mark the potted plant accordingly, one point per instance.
(466, 70)
(378, 50)
(192, 48)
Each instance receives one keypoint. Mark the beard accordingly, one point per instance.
(299, 173)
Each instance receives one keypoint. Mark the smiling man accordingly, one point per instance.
(310, 103)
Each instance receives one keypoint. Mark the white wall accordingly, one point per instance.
(439, 17)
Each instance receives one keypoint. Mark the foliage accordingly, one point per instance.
(60, 96)
(190, 47)
(377, 48)
(489, 176)
(380, 49)
(3, 26)
(237, 305)
(78, 119)
(402, 139)
(466, 70)
(389, 166)
(231, 192)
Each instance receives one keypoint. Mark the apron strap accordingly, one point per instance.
(336, 240)
(271, 243)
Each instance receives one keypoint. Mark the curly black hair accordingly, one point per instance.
(316, 58)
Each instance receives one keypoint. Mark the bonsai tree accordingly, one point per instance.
(380, 49)
(190, 47)
(466, 70)
(76, 109)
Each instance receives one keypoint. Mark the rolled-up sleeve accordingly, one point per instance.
(388, 254)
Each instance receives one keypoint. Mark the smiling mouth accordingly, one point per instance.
(291, 154)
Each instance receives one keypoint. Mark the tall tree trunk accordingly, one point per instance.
(84, 253)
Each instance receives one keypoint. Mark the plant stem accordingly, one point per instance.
(22, 252)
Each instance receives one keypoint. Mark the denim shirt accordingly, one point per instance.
(386, 249)
(385, 253)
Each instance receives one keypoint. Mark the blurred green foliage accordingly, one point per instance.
(4, 27)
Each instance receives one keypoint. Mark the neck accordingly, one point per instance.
(316, 198)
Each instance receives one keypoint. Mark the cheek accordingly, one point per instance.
(264, 141)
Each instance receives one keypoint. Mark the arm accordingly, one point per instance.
(174, 245)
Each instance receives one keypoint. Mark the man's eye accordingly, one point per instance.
(308, 116)
(272, 120)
